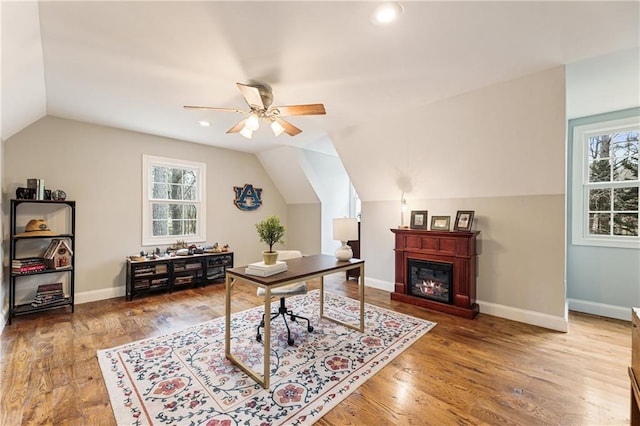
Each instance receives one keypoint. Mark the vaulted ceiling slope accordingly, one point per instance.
(133, 65)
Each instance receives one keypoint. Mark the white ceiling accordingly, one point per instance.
(133, 65)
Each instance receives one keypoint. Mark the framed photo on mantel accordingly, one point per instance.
(464, 220)
(440, 223)
(419, 219)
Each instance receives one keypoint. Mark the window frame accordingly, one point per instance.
(581, 185)
(150, 161)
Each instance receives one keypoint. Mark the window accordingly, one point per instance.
(605, 183)
(174, 203)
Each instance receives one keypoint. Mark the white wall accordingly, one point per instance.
(499, 151)
(331, 182)
(600, 280)
(603, 84)
(101, 168)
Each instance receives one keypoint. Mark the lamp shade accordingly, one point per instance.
(345, 229)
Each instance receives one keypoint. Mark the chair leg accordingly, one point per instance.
(282, 310)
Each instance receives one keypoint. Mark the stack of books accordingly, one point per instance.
(261, 270)
(28, 265)
(48, 294)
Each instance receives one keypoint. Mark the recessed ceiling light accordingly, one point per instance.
(204, 123)
(387, 13)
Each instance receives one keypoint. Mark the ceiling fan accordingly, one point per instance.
(259, 97)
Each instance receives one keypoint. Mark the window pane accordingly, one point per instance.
(599, 147)
(625, 157)
(159, 174)
(189, 177)
(600, 200)
(190, 227)
(175, 192)
(625, 224)
(160, 191)
(600, 171)
(160, 211)
(175, 211)
(189, 193)
(625, 199)
(600, 223)
(159, 228)
(175, 227)
(190, 211)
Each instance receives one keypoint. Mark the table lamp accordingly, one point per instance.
(345, 229)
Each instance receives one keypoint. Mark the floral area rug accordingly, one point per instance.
(184, 377)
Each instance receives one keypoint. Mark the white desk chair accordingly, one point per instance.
(283, 293)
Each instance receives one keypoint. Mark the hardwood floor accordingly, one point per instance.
(466, 372)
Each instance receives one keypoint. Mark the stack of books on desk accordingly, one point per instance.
(261, 270)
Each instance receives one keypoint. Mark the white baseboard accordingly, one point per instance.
(379, 284)
(102, 294)
(601, 309)
(528, 317)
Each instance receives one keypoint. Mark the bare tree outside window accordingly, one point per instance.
(174, 191)
(613, 184)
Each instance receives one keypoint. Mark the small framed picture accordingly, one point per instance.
(419, 219)
(440, 223)
(464, 220)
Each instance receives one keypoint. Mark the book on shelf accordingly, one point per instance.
(47, 294)
(28, 268)
(259, 269)
(27, 261)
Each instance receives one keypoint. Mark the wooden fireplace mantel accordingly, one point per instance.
(457, 248)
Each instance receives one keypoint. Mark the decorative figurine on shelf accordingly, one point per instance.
(225, 248)
(58, 195)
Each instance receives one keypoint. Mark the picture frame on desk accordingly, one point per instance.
(440, 223)
(419, 219)
(464, 220)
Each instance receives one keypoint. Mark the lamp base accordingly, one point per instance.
(344, 252)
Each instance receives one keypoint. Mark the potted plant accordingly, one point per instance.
(270, 232)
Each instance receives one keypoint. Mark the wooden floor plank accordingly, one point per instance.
(486, 371)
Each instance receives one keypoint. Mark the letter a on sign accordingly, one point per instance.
(247, 197)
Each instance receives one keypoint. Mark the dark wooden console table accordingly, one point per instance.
(634, 370)
(457, 248)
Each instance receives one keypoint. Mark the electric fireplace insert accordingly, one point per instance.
(431, 280)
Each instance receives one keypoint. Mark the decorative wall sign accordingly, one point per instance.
(247, 197)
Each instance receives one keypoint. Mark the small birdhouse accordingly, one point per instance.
(58, 254)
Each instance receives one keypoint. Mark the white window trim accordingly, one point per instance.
(147, 235)
(580, 202)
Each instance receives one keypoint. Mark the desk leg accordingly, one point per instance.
(361, 288)
(359, 327)
(227, 316)
(264, 380)
(267, 338)
(321, 296)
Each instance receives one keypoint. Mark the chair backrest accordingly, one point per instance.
(296, 287)
(288, 254)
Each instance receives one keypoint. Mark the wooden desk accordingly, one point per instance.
(299, 269)
(634, 370)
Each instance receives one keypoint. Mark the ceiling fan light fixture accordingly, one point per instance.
(386, 13)
(247, 133)
(277, 128)
(252, 123)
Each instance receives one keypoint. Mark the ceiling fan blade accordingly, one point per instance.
(251, 95)
(310, 109)
(289, 128)
(238, 126)
(215, 109)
